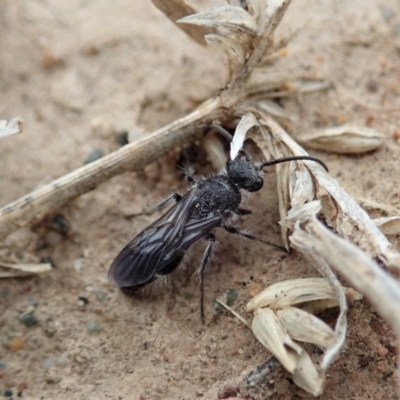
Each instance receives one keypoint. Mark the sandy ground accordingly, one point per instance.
(77, 72)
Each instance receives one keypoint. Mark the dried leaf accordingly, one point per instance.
(10, 127)
(232, 18)
(343, 139)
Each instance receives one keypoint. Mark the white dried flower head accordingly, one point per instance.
(280, 321)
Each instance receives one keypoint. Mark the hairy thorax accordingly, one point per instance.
(217, 195)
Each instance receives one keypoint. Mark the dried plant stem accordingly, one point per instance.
(273, 15)
(130, 157)
(355, 266)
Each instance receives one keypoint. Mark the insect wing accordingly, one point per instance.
(155, 246)
(197, 228)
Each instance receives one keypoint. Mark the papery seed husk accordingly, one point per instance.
(291, 292)
(305, 327)
(311, 85)
(276, 111)
(261, 82)
(388, 225)
(317, 306)
(269, 331)
(21, 270)
(306, 375)
(343, 139)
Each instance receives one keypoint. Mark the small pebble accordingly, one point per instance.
(82, 301)
(48, 363)
(228, 297)
(27, 317)
(231, 296)
(94, 155)
(3, 365)
(15, 344)
(8, 393)
(94, 327)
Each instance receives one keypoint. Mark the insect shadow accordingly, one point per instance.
(210, 203)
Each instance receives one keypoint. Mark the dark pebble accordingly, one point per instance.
(122, 138)
(231, 296)
(83, 299)
(28, 318)
(8, 393)
(228, 297)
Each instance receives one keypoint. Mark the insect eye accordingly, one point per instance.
(257, 185)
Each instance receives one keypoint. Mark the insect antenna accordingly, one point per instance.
(293, 158)
(223, 132)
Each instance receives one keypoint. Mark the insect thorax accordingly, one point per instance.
(218, 196)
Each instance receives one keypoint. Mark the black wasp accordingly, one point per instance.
(210, 203)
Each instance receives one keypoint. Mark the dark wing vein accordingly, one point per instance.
(155, 246)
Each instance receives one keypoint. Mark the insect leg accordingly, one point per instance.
(188, 173)
(204, 264)
(242, 211)
(233, 230)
